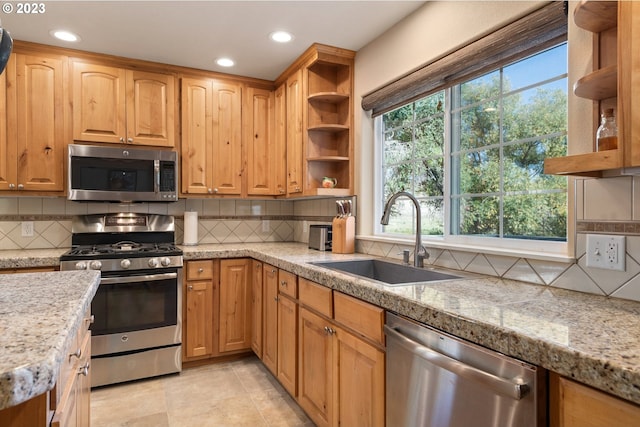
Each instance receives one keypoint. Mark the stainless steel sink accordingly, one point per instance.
(388, 272)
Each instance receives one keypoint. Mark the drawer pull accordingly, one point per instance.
(201, 270)
(283, 283)
(84, 370)
(190, 287)
(78, 354)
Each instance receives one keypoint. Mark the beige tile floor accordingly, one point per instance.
(237, 393)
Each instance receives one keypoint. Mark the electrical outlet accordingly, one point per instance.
(607, 252)
(27, 228)
(305, 226)
(266, 226)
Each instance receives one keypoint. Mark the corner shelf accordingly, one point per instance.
(596, 16)
(599, 85)
(588, 164)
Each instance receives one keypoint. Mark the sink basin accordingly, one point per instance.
(387, 272)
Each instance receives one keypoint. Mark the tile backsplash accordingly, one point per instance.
(234, 221)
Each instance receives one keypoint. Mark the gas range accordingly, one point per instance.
(122, 241)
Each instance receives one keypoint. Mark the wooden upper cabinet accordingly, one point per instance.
(211, 137)
(115, 105)
(33, 137)
(150, 108)
(227, 142)
(7, 151)
(197, 125)
(265, 156)
(294, 92)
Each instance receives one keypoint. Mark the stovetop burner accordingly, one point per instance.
(125, 249)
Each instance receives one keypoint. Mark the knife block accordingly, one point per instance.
(344, 235)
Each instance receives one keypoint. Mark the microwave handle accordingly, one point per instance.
(156, 170)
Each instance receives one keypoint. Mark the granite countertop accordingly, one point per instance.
(590, 338)
(40, 314)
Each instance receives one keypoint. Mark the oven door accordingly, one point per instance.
(138, 310)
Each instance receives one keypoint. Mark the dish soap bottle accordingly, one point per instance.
(607, 133)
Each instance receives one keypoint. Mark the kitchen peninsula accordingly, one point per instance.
(44, 318)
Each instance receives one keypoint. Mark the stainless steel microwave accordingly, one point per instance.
(122, 174)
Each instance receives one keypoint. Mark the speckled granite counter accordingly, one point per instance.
(593, 339)
(30, 258)
(40, 314)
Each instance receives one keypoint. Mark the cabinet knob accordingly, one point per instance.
(215, 190)
(77, 353)
(201, 270)
(283, 283)
(84, 370)
(91, 319)
(209, 190)
(130, 140)
(275, 298)
(20, 186)
(12, 186)
(122, 140)
(190, 287)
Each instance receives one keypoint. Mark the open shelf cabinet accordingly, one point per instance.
(329, 119)
(611, 85)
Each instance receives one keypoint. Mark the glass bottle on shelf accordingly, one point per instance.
(607, 133)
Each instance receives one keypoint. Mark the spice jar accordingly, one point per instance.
(607, 133)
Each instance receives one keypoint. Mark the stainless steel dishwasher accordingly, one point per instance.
(437, 380)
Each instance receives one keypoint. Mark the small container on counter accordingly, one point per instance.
(607, 133)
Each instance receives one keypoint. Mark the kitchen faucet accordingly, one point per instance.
(420, 253)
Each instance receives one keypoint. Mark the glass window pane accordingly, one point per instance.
(397, 178)
(524, 165)
(480, 216)
(398, 146)
(429, 137)
(432, 217)
(480, 172)
(429, 179)
(537, 68)
(537, 111)
(430, 106)
(480, 89)
(480, 126)
(398, 117)
(540, 216)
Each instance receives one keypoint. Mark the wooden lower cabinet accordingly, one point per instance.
(198, 312)
(340, 371)
(287, 341)
(216, 308)
(576, 405)
(235, 305)
(316, 394)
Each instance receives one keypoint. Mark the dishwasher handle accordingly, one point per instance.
(500, 385)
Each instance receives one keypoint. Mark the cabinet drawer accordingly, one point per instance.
(200, 270)
(316, 296)
(287, 283)
(361, 317)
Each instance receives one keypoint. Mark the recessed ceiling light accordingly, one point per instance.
(66, 36)
(281, 36)
(225, 62)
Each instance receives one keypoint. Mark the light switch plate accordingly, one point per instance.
(606, 252)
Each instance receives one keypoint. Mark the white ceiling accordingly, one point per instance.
(195, 33)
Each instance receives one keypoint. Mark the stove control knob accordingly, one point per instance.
(125, 263)
(153, 262)
(165, 261)
(81, 265)
(95, 265)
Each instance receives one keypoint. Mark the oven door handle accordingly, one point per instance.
(131, 279)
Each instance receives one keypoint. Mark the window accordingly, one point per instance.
(473, 154)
